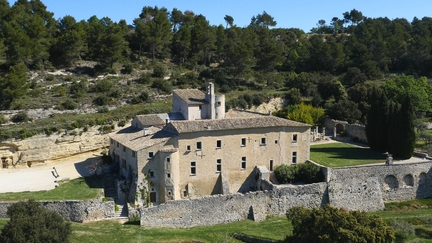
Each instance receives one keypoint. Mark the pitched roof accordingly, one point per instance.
(231, 124)
(150, 119)
(137, 139)
(158, 119)
(191, 96)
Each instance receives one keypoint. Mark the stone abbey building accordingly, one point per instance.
(199, 149)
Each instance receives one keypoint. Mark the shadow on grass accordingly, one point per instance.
(423, 233)
(95, 181)
(133, 222)
(350, 153)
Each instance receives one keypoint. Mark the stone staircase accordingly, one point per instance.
(111, 192)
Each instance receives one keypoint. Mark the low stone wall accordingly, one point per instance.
(74, 210)
(397, 182)
(218, 209)
(351, 130)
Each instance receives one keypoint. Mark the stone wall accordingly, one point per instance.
(351, 130)
(74, 210)
(218, 209)
(397, 182)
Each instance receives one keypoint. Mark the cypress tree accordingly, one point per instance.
(393, 126)
(377, 121)
(405, 130)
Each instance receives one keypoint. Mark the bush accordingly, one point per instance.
(20, 117)
(31, 222)
(159, 71)
(101, 100)
(69, 105)
(162, 85)
(145, 78)
(3, 119)
(102, 86)
(330, 224)
(305, 172)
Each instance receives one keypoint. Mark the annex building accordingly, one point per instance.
(199, 149)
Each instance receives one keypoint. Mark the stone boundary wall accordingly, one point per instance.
(397, 182)
(352, 130)
(74, 210)
(219, 209)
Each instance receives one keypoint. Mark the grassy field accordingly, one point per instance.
(342, 154)
(77, 189)
(274, 228)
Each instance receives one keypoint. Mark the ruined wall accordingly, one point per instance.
(352, 130)
(397, 182)
(74, 210)
(218, 209)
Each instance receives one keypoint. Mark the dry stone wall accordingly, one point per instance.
(75, 211)
(218, 209)
(397, 182)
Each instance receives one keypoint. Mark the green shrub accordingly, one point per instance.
(162, 85)
(103, 109)
(159, 71)
(101, 100)
(20, 117)
(305, 172)
(144, 79)
(122, 123)
(69, 105)
(3, 119)
(102, 86)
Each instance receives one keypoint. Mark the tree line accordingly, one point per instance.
(29, 34)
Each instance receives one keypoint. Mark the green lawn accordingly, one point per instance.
(77, 189)
(274, 228)
(342, 154)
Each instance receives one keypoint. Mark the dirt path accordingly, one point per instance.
(43, 176)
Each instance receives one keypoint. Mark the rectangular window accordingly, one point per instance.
(168, 160)
(193, 168)
(118, 144)
(218, 144)
(276, 141)
(243, 142)
(169, 175)
(271, 165)
(294, 139)
(124, 149)
(150, 155)
(188, 148)
(133, 154)
(123, 165)
(151, 174)
(198, 146)
(263, 141)
(243, 163)
(218, 165)
(294, 157)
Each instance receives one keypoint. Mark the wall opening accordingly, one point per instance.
(390, 182)
(422, 179)
(408, 181)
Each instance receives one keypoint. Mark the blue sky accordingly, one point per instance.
(303, 14)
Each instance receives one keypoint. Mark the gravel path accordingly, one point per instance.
(43, 176)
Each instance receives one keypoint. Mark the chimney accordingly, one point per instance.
(167, 121)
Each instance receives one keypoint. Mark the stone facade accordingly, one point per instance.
(200, 150)
(74, 210)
